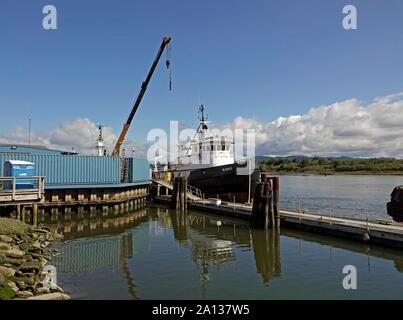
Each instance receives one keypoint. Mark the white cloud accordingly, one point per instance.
(342, 128)
(78, 133)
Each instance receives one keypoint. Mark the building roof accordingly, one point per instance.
(19, 162)
(30, 149)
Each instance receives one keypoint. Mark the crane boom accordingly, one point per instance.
(116, 150)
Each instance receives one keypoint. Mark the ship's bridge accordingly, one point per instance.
(207, 152)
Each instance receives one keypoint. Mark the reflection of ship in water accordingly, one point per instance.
(100, 243)
(207, 250)
(212, 242)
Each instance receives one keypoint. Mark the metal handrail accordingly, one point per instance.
(195, 191)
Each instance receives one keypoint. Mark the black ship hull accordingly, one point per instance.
(225, 181)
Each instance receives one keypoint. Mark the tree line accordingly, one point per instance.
(319, 165)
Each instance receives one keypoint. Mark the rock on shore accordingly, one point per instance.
(24, 251)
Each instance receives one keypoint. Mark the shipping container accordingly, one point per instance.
(139, 170)
(65, 170)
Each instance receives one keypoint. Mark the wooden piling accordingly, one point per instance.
(18, 211)
(35, 214)
(23, 212)
(178, 198)
(266, 209)
(266, 205)
(276, 200)
(260, 211)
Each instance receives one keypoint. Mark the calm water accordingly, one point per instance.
(347, 195)
(156, 253)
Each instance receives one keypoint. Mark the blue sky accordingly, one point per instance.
(254, 59)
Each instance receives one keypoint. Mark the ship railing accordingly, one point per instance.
(195, 191)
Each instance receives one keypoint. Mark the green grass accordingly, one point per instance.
(12, 226)
(6, 293)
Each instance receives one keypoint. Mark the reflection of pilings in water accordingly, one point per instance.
(82, 224)
(266, 247)
(179, 224)
(276, 253)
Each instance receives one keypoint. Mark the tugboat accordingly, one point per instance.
(209, 164)
(395, 206)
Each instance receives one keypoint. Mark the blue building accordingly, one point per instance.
(31, 149)
(70, 170)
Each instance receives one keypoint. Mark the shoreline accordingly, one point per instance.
(284, 173)
(24, 252)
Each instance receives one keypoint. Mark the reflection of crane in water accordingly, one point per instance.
(126, 252)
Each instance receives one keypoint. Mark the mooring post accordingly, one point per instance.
(299, 210)
(271, 204)
(174, 196)
(276, 200)
(23, 213)
(18, 211)
(180, 189)
(255, 204)
(185, 190)
(178, 193)
(267, 213)
(35, 214)
(261, 206)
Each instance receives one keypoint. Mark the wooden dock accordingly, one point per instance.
(11, 194)
(362, 230)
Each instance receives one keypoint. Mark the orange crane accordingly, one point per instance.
(116, 150)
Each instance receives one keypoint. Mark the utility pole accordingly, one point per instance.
(29, 130)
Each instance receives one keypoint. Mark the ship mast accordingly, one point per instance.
(100, 141)
(202, 120)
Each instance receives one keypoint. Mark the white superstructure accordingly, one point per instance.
(204, 150)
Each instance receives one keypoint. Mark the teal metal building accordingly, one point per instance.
(68, 171)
